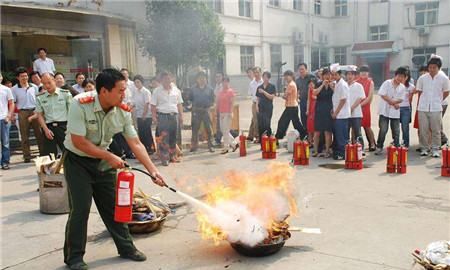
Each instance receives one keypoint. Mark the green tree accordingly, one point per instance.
(182, 34)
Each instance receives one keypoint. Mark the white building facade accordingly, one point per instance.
(383, 34)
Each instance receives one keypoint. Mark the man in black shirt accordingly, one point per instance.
(265, 94)
(302, 88)
(202, 97)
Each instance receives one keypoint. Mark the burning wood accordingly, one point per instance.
(250, 209)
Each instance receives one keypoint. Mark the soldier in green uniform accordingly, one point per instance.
(52, 108)
(90, 170)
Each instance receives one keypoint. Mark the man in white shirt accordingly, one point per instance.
(130, 87)
(341, 112)
(43, 64)
(24, 95)
(253, 132)
(392, 93)
(434, 87)
(356, 96)
(6, 117)
(167, 112)
(141, 101)
(79, 78)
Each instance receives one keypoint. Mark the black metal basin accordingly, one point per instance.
(261, 250)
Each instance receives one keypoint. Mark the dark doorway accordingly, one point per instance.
(377, 72)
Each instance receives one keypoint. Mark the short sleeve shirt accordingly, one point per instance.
(356, 92)
(88, 119)
(408, 90)
(432, 90)
(341, 91)
(5, 97)
(25, 98)
(224, 98)
(44, 66)
(397, 93)
(252, 88)
(166, 101)
(202, 97)
(263, 101)
(55, 107)
(141, 100)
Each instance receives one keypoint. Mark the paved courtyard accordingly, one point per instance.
(369, 219)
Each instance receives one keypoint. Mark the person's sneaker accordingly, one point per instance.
(5, 167)
(419, 150)
(338, 157)
(165, 162)
(424, 153)
(78, 266)
(224, 151)
(436, 154)
(379, 151)
(134, 256)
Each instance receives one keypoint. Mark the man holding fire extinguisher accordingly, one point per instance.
(90, 170)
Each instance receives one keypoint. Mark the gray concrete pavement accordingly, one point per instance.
(369, 219)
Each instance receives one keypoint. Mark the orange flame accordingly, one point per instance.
(265, 195)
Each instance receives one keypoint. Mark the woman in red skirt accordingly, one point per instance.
(368, 85)
(311, 109)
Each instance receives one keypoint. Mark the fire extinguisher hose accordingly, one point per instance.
(151, 176)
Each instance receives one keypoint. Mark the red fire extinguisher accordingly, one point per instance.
(348, 155)
(265, 146)
(273, 147)
(358, 165)
(445, 169)
(242, 145)
(305, 156)
(124, 196)
(297, 152)
(402, 159)
(392, 155)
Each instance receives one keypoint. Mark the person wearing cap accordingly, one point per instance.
(202, 98)
(356, 96)
(52, 108)
(341, 112)
(91, 171)
(434, 88)
(290, 112)
(366, 121)
(392, 93)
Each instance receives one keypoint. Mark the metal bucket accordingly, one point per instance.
(53, 197)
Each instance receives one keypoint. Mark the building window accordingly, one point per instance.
(379, 32)
(424, 52)
(340, 55)
(297, 4)
(247, 58)
(274, 3)
(317, 6)
(426, 13)
(319, 57)
(340, 7)
(299, 54)
(275, 57)
(245, 8)
(215, 5)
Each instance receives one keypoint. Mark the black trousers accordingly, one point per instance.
(144, 126)
(289, 114)
(200, 116)
(59, 134)
(85, 181)
(264, 120)
(119, 146)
